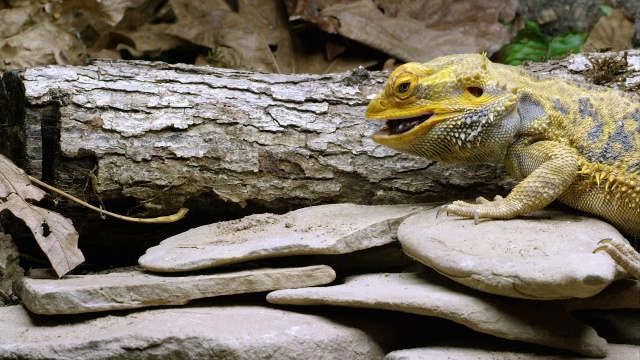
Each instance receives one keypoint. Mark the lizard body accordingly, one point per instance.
(562, 140)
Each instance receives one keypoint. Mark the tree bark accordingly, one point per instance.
(148, 138)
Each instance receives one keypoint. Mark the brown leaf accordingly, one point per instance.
(149, 40)
(404, 38)
(15, 180)
(103, 15)
(479, 19)
(270, 21)
(213, 24)
(308, 10)
(288, 48)
(313, 61)
(40, 42)
(54, 233)
(12, 21)
(612, 32)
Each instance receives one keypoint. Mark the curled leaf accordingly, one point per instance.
(401, 37)
(214, 25)
(54, 233)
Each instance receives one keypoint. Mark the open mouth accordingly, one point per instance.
(399, 126)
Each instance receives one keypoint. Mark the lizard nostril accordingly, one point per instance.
(383, 104)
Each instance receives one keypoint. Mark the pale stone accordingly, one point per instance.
(622, 294)
(617, 326)
(204, 332)
(385, 258)
(136, 289)
(10, 269)
(545, 323)
(545, 255)
(614, 352)
(326, 229)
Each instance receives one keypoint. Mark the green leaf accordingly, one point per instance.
(606, 9)
(530, 44)
(531, 33)
(568, 43)
(519, 53)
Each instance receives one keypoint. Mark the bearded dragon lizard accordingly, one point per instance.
(562, 140)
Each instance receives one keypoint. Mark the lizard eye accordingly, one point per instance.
(475, 91)
(404, 87)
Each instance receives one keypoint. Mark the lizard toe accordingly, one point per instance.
(441, 209)
(624, 255)
(482, 200)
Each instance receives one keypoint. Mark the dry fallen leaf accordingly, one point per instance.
(612, 32)
(12, 21)
(309, 11)
(103, 16)
(404, 38)
(236, 42)
(292, 51)
(36, 40)
(149, 40)
(54, 233)
(479, 19)
(270, 21)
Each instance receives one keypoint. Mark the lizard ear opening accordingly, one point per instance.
(475, 91)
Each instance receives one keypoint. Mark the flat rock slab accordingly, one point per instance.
(136, 289)
(617, 326)
(546, 255)
(614, 352)
(538, 322)
(621, 294)
(326, 229)
(231, 332)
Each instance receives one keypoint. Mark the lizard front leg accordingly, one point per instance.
(546, 168)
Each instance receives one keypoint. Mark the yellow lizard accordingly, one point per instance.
(577, 143)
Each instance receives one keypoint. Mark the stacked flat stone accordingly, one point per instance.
(517, 279)
(168, 278)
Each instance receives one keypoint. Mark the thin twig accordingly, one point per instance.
(157, 220)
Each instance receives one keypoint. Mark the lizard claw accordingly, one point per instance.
(623, 254)
(457, 205)
(604, 244)
(605, 241)
(442, 209)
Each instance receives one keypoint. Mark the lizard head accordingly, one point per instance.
(441, 109)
